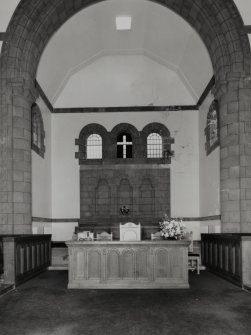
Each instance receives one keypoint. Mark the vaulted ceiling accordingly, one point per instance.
(157, 33)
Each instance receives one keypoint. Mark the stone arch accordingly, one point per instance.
(221, 28)
(164, 132)
(92, 128)
(33, 25)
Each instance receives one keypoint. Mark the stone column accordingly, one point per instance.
(245, 158)
(235, 159)
(15, 158)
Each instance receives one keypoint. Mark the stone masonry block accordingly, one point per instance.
(18, 175)
(229, 140)
(246, 215)
(21, 144)
(22, 187)
(229, 206)
(224, 153)
(233, 107)
(27, 176)
(19, 122)
(18, 111)
(3, 219)
(6, 229)
(230, 184)
(247, 126)
(243, 172)
(224, 174)
(18, 197)
(230, 217)
(245, 183)
(234, 195)
(5, 208)
(229, 119)
(247, 172)
(22, 208)
(248, 194)
(229, 162)
(224, 195)
(18, 132)
(234, 172)
(3, 196)
(233, 129)
(245, 160)
(233, 150)
(246, 206)
(18, 219)
(22, 229)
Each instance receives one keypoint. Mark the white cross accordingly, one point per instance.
(124, 143)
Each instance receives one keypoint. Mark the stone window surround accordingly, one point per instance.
(139, 139)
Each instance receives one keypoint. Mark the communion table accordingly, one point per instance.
(121, 264)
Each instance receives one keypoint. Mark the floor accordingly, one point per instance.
(44, 306)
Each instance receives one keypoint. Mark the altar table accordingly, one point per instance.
(143, 264)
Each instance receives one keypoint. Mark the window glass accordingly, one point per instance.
(94, 147)
(124, 146)
(154, 146)
(37, 131)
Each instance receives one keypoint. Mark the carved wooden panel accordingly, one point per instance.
(128, 264)
(94, 264)
(142, 263)
(161, 263)
(113, 264)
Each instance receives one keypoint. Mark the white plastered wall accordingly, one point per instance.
(41, 175)
(209, 174)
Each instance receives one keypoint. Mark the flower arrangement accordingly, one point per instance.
(124, 210)
(172, 228)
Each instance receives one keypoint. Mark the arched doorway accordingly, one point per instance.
(220, 27)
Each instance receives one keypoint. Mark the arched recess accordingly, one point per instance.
(146, 197)
(132, 131)
(125, 195)
(220, 26)
(102, 198)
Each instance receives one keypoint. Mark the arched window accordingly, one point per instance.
(38, 133)
(94, 147)
(154, 146)
(124, 146)
(212, 127)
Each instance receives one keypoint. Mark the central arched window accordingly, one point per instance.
(124, 146)
(154, 146)
(94, 147)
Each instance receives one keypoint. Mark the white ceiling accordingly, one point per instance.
(156, 33)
